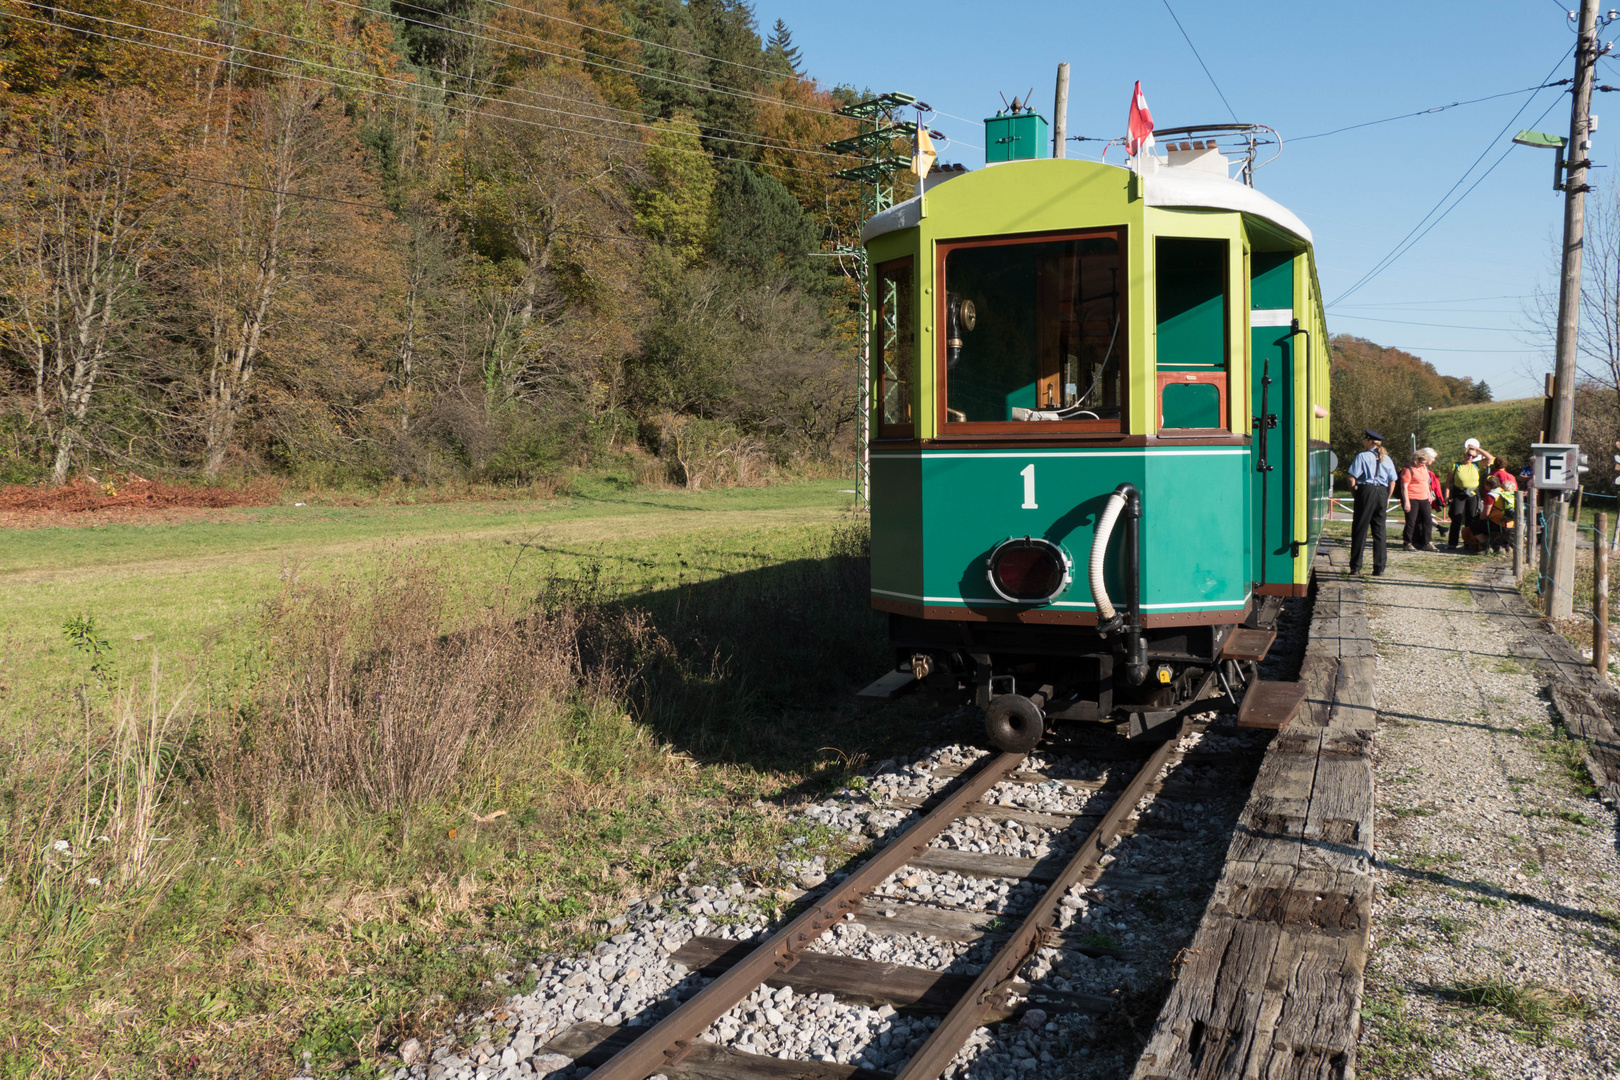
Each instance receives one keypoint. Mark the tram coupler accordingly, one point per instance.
(1015, 723)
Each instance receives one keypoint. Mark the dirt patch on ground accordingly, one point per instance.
(133, 502)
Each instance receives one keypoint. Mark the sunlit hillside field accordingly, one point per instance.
(194, 590)
(304, 782)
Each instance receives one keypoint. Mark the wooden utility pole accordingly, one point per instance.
(1600, 597)
(1559, 595)
(1060, 113)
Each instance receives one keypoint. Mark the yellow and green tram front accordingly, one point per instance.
(1048, 333)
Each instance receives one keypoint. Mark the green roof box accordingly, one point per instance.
(1014, 136)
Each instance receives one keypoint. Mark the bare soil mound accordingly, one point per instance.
(87, 495)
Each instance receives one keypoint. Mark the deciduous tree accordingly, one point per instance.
(79, 211)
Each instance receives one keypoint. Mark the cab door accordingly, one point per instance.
(1271, 315)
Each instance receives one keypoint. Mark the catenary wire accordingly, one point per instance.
(1454, 300)
(1430, 228)
(482, 82)
(631, 37)
(1200, 60)
(1426, 112)
(1406, 241)
(383, 78)
(1448, 326)
(407, 98)
(583, 59)
(79, 159)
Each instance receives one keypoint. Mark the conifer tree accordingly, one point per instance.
(781, 53)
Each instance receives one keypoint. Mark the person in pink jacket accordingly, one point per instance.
(1416, 494)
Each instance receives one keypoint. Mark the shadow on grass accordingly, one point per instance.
(756, 667)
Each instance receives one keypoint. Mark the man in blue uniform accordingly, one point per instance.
(1372, 474)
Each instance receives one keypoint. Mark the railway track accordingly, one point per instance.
(905, 888)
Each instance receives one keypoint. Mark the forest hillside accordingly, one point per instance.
(1389, 391)
(431, 240)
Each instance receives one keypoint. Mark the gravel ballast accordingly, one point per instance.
(1119, 934)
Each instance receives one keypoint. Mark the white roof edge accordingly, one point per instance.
(1190, 189)
(903, 215)
(1163, 187)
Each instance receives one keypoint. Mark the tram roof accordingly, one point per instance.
(1163, 186)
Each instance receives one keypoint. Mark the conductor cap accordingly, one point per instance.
(1373, 435)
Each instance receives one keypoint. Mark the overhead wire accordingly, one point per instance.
(1454, 300)
(1414, 235)
(631, 37)
(387, 78)
(582, 59)
(1409, 322)
(1200, 60)
(491, 83)
(1426, 112)
(80, 159)
(397, 97)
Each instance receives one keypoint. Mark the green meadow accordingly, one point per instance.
(303, 782)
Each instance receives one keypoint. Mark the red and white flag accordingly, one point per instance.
(1139, 128)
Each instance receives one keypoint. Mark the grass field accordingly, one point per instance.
(191, 590)
(1498, 425)
(187, 893)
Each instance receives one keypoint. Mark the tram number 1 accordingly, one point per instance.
(1028, 474)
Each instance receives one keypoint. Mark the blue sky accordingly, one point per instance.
(1463, 298)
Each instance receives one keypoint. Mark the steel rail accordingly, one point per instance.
(667, 1042)
(985, 1000)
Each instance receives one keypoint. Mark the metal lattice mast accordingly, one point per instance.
(875, 144)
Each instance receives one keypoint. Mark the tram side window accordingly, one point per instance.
(1191, 297)
(1035, 331)
(895, 336)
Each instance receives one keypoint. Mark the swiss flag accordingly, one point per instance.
(1139, 127)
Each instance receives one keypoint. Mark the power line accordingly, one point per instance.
(1448, 326)
(1417, 349)
(379, 77)
(396, 211)
(479, 81)
(1200, 59)
(629, 37)
(1424, 303)
(1413, 236)
(584, 59)
(1436, 109)
(401, 97)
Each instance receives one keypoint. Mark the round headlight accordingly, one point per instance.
(1025, 570)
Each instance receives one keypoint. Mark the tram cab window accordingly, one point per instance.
(894, 337)
(1034, 332)
(1192, 300)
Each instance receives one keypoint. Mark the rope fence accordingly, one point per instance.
(1528, 532)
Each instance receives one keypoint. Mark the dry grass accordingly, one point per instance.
(418, 785)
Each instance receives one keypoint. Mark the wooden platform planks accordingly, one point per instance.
(1271, 984)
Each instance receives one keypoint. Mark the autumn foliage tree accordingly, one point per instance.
(433, 240)
(80, 206)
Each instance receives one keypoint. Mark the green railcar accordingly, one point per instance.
(1099, 432)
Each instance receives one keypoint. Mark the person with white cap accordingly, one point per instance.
(1465, 500)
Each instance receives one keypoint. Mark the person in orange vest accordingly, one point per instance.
(1413, 488)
